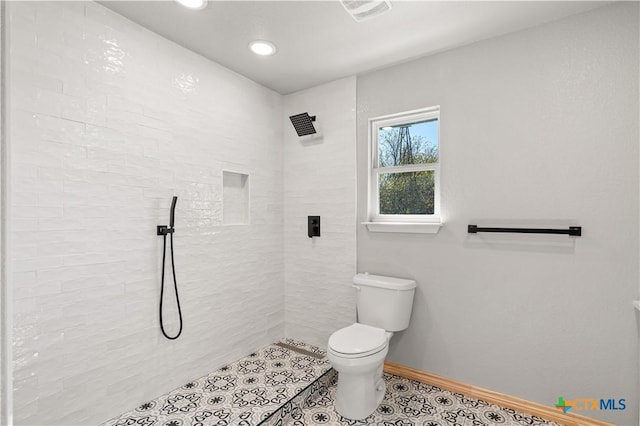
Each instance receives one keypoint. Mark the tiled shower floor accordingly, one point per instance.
(292, 383)
(245, 393)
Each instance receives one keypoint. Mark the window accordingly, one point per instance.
(404, 179)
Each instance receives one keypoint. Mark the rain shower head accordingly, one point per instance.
(303, 123)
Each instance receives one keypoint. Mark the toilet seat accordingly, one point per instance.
(357, 341)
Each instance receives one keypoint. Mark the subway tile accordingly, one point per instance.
(36, 263)
(60, 224)
(110, 150)
(39, 289)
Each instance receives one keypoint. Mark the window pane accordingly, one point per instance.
(407, 193)
(413, 143)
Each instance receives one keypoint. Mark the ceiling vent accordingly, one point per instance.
(361, 10)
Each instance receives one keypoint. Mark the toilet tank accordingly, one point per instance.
(384, 302)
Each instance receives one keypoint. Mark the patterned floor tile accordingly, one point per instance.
(290, 383)
(244, 393)
(410, 403)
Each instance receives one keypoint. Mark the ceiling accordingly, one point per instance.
(319, 42)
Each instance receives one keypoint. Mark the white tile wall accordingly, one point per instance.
(320, 179)
(108, 122)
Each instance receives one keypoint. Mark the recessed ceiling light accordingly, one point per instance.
(262, 47)
(193, 4)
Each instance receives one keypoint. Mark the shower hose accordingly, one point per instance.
(175, 285)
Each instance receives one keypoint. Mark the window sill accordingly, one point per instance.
(405, 227)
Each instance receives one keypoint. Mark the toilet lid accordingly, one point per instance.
(357, 339)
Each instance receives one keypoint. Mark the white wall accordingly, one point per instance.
(541, 127)
(108, 122)
(320, 179)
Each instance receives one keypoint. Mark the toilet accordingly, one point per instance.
(357, 352)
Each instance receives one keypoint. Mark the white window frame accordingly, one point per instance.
(375, 124)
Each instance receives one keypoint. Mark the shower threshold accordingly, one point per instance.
(263, 388)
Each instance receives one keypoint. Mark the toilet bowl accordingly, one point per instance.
(357, 352)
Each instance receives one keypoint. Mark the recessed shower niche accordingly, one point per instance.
(235, 198)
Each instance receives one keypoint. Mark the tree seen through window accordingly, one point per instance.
(407, 192)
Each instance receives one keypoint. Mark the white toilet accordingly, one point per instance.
(358, 351)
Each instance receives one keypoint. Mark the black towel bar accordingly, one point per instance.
(575, 231)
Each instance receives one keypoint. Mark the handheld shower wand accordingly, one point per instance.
(164, 230)
(172, 215)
